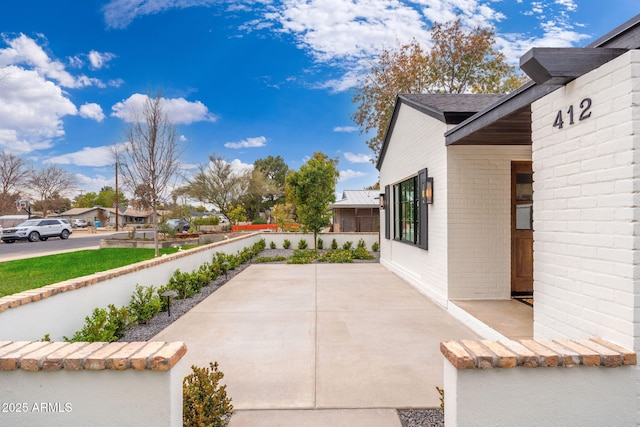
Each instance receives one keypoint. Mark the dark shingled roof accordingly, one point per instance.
(448, 108)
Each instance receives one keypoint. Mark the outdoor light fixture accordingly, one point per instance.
(382, 201)
(168, 295)
(427, 191)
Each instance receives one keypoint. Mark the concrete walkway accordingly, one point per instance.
(318, 345)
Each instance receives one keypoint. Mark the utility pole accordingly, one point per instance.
(117, 207)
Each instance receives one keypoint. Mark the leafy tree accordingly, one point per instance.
(150, 159)
(13, 174)
(461, 60)
(47, 184)
(283, 213)
(217, 183)
(275, 170)
(237, 214)
(311, 189)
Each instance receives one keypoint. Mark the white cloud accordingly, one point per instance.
(88, 156)
(120, 13)
(347, 129)
(258, 141)
(350, 174)
(93, 111)
(99, 60)
(357, 158)
(94, 183)
(24, 51)
(31, 110)
(178, 110)
(239, 167)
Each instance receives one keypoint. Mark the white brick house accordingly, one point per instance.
(577, 126)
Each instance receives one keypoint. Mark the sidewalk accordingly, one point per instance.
(318, 345)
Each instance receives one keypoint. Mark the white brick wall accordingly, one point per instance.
(480, 220)
(417, 143)
(586, 228)
(469, 254)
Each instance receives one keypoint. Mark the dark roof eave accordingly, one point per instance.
(510, 103)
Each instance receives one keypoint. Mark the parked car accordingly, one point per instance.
(79, 223)
(178, 224)
(37, 229)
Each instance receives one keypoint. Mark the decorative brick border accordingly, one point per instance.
(97, 356)
(482, 354)
(33, 295)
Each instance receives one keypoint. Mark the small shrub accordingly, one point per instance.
(375, 247)
(144, 303)
(347, 245)
(320, 244)
(181, 283)
(259, 221)
(362, 244)
(103, 325)
(286, 244)
(337, 256)
(302, 244)
(46, 338)
(361, 253)
(334, 244)
(272, 245)
(204, 400)
(302, 256)
(441, 393)
(265, 259)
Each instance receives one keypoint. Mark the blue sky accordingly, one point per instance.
(244, 79)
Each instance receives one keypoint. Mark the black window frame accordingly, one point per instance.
(410, 227)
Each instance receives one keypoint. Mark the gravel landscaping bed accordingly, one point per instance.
(145, 332)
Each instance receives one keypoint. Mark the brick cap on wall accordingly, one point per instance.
(482, 354)
(97, 356)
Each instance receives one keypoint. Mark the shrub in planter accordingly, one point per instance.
(272, 245)
(337, 256)
(286, 244)
(347, 246)
(204, 400)
(320, 244)
(181, 283)
(144, 303)
(302, 244)
(362, 244)
(334, 244)
(361, 253)
(104, 325)
(302, 256)
(375, 247)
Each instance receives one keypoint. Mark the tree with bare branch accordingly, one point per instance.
(217, 183)
(150, 158)
(13, 174)
(47, 185)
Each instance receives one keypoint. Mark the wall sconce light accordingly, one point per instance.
(382, 201)
(427, 191)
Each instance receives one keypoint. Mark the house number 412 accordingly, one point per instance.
(585, 113)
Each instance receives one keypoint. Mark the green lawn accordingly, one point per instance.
(24, 274)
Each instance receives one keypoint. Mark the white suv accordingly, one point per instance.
(37, 229)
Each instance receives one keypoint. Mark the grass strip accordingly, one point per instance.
(31, 273)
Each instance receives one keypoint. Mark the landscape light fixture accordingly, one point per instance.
(168, 295)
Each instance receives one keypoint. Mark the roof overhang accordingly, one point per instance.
(558, 66)
(507, 122)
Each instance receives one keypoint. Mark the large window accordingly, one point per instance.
(405, 197)
(410, 220)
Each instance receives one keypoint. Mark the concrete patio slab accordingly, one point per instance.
(321, 342)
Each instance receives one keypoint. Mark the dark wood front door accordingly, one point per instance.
(521, 228)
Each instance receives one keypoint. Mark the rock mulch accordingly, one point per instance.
(145, 332)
